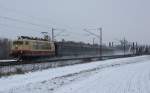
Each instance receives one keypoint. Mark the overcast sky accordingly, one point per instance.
(118, 18)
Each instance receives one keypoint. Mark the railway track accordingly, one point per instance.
(15, 62)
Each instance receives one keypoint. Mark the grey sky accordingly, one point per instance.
(119, 18)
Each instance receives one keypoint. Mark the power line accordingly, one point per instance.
(87, 30)
(37, 18)
(98, 36)
(24, 14)
(59, 34)
(47, 20)
(6, 25)
(53, 33)
(30, 16)
(22, 21)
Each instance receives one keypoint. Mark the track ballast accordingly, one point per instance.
(15, 62)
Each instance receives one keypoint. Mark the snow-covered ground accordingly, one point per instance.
(126, 75)
(8, 60)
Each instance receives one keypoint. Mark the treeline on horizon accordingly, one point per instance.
(4, 48)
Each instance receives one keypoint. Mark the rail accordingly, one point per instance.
(15, 62)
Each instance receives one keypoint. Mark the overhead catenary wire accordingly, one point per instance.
(22, 21)
(14, 11)
(92, 33)
(34, 17)
(98, 36)
(39, 19)
(19, 27)
(71, 31)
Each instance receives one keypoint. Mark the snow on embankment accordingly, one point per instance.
(134, 78)
(45, 75)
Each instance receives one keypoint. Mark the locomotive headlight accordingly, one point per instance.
(16, 47)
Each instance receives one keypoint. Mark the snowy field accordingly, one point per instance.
(8, 60)
(126, 75)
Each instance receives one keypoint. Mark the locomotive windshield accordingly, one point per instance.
(18, 42)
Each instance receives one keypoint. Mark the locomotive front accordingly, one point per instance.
(26, 47)
(19, 48)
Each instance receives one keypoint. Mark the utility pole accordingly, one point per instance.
(53, 34)
(98, 36)
(93, 41)
(133, 47)
(101, 41)
(136, 46)
(112, 44)
(124, 46)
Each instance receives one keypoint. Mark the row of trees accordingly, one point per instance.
(4, 48)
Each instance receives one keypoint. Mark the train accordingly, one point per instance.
(28, 47)
(32, 47)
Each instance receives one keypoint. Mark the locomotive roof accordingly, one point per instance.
(34, 41)
(31, 38)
